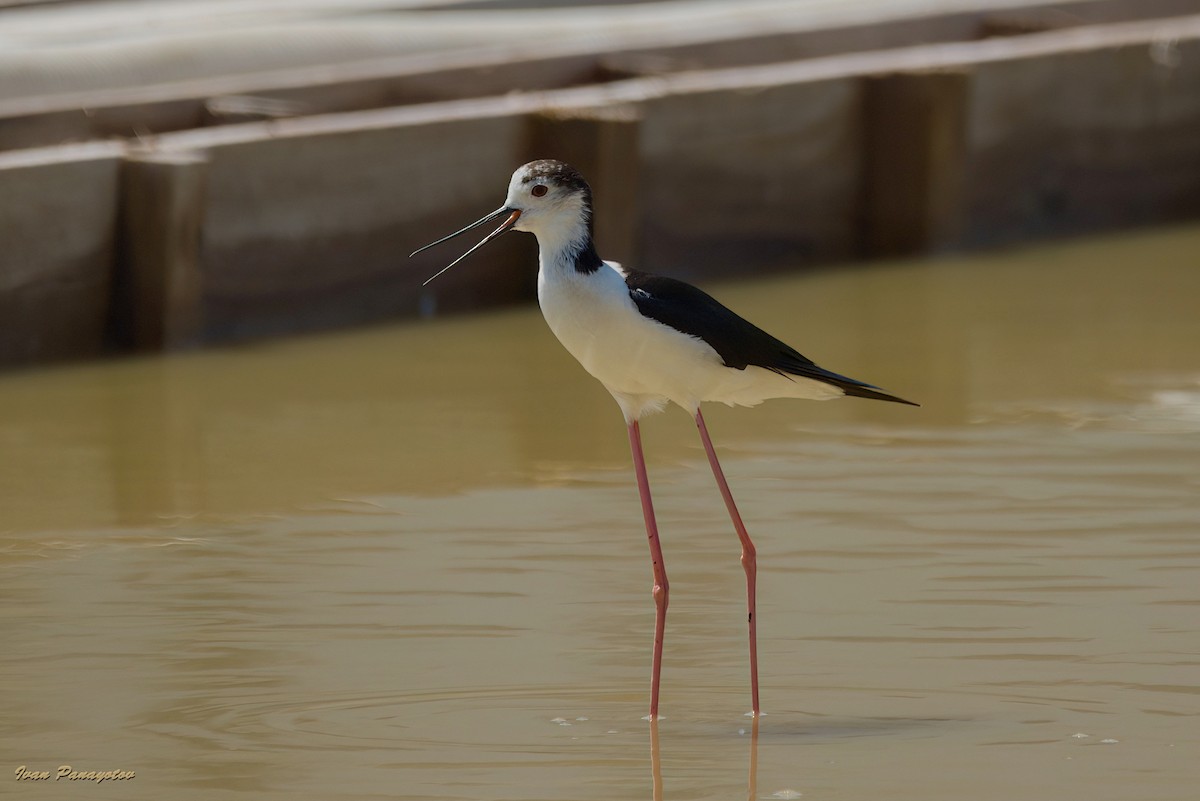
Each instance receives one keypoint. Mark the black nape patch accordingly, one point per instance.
(587, 260)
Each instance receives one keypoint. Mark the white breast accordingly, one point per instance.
(641, 362)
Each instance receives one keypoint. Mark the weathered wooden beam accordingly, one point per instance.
(57, 220)
(914, 148)
(159, 286)
(603, 144)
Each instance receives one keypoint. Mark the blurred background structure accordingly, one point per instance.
(187, 172)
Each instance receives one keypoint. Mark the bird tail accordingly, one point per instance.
(867, 391)
(850, 386)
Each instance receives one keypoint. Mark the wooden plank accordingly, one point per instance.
(914, 141)
(157, 304)
(57, 221)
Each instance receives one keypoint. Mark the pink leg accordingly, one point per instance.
(749, 561)
(661, 588)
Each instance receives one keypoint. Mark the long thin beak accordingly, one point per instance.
(513, 215)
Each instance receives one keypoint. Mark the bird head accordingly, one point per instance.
(548, 198)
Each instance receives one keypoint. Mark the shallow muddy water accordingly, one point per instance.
(409, 562)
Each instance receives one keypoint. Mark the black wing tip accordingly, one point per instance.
(851, 386)
(876, 394)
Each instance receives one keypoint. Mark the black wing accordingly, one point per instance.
(739, 343)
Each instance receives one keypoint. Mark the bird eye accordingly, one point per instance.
(538, 190)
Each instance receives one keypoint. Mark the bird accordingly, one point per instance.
(651, 340)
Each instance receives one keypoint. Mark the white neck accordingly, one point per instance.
(559, 244)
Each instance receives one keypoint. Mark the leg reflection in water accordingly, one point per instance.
(656, 781)
(655, 762)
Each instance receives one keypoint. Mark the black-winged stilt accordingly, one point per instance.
(651, 340)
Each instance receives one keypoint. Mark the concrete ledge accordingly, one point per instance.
(496, 66)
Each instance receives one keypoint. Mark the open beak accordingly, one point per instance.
(513, 215)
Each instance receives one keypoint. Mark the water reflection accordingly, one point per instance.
(656, 779)
(656, 782)
(453, 405)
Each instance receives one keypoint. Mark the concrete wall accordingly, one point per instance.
(736, 180)
(1082, 141)
(243, 231)
(314, 231)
